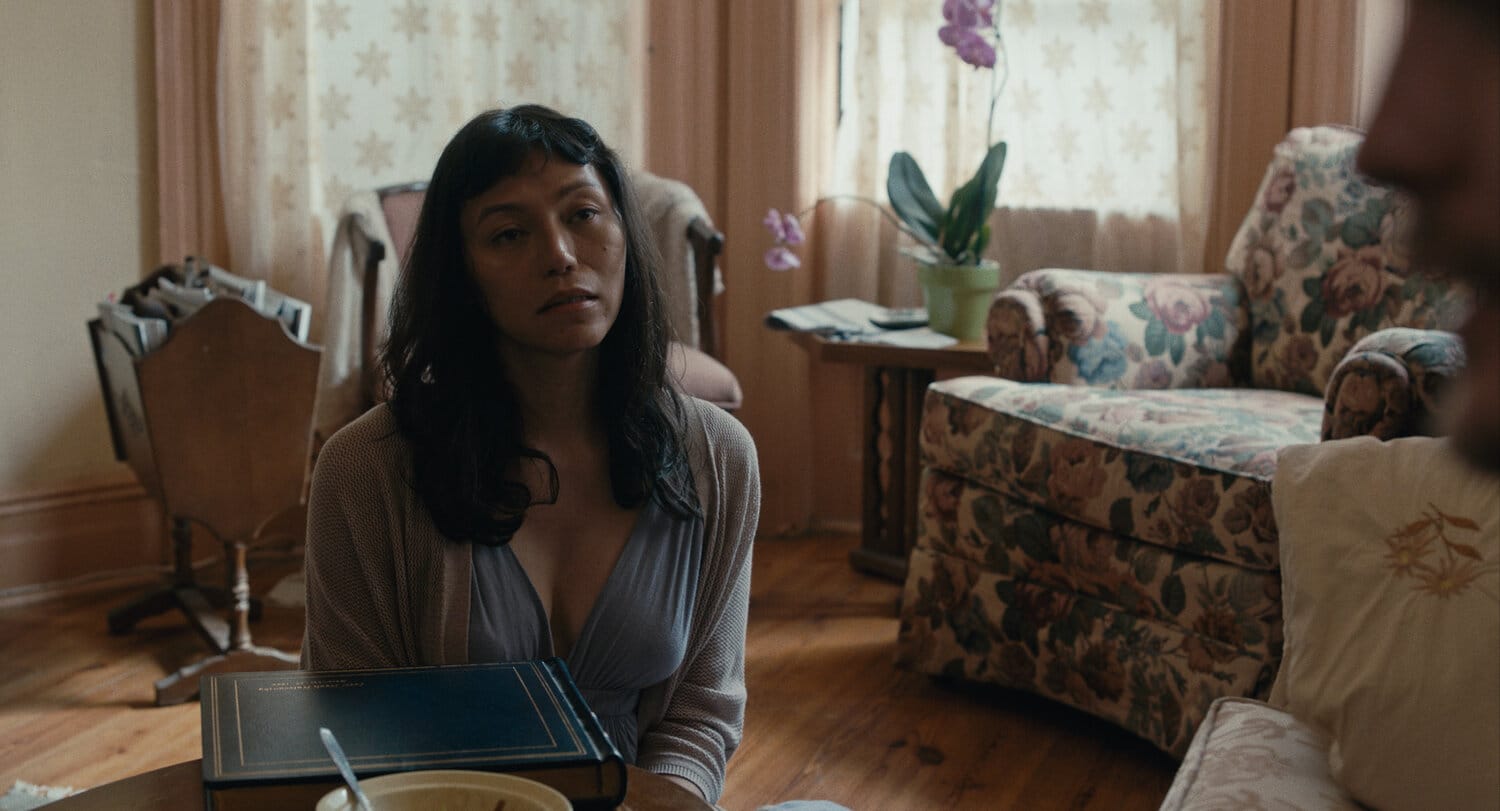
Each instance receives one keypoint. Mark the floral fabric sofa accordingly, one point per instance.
(1095, 520)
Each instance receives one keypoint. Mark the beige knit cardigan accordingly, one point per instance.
(385, 589)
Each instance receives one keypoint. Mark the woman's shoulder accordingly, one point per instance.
(716, 433)
(369, 440)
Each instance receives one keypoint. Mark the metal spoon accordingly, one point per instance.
(337, 753)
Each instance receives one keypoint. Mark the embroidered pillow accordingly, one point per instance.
(1390, 556)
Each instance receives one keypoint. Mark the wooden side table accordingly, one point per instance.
(896, 380)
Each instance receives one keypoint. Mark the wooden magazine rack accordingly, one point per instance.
(216, 423)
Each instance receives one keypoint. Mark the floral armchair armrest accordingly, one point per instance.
(1389, 384)
(1121, 330)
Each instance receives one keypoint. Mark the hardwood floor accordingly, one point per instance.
(828, 718)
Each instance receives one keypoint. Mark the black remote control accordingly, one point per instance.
(900, 318)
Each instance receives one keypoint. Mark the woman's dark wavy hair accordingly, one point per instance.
(449, 393)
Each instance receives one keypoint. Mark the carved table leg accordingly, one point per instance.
(183, 592)
(893, 413)
(911, 455)
(242, 655)
(881, 550)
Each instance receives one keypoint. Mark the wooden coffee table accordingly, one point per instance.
(181, 787)
(896, 380)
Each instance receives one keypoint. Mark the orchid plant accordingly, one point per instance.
(958, 233)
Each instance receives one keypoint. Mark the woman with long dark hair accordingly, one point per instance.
(536, 486)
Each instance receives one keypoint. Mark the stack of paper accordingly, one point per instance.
(852, 319)
(842, 318)
(922, 338)
(142, 315)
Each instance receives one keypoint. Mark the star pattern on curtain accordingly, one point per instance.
(411, 109)
(411, 20)
(1105, 109)
(335, 107)
(333, 18)
(374, 64)
(322, 98)
(1091, 107)
(1130, 52)
(283, 17)
(1094, 14)
(487, 26)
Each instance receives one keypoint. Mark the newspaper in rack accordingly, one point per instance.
(141, 335)
(143, 315)
(181, 301)
(295, 314)
(222, 282)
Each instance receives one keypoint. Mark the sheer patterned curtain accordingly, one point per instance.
(318, 98)
(1108, 109)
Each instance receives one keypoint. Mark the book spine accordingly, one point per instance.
(259, 798)
(611, 772)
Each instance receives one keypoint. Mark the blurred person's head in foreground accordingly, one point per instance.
(1437, 135)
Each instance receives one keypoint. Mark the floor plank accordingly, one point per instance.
(829, 716)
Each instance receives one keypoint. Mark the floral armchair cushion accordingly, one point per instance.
(1182, 470)
(1120, 330)
(1323, 255)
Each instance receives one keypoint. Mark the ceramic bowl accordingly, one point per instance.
(449, 790)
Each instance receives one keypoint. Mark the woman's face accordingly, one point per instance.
(547, 250)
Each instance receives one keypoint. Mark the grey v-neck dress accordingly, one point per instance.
(635, 635)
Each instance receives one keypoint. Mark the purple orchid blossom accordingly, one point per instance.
(969, 13)
(973, 50)
(784, 227)
(966, 19)
(773, 224)
(973, 32)
(791, 229)
(781, 257)
(786, 231)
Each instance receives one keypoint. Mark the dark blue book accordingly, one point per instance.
(261, 747)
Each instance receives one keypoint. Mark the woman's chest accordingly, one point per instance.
(634, 633)
(568, 551)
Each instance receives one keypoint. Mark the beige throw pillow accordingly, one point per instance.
(1390, 559)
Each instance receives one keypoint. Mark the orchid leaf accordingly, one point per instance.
(982, 241)
(988, 178)
(957, 225)
(912, 197)
(961, 232)
(965, 218)
(965, 232)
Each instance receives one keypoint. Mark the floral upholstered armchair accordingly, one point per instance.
(1095, 520)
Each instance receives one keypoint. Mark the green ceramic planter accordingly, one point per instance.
(958, 297)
